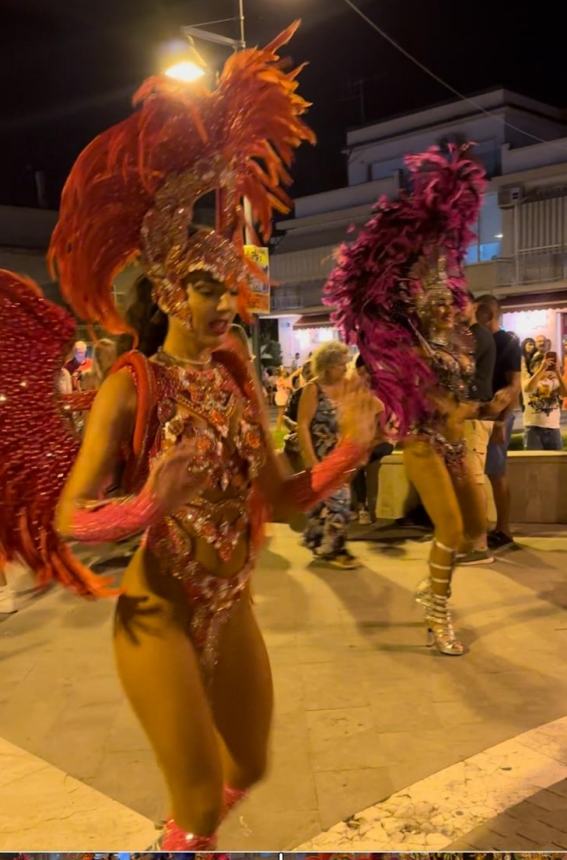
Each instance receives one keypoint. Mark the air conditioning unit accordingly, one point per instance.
(510, 196)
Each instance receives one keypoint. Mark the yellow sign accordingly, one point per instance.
(260, 286)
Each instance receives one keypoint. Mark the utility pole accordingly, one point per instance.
(198, 32)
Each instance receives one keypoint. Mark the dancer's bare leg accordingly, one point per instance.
(428, 472)
(161, 676)
(242, 698)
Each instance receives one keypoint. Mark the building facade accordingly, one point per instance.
(24, 238)
(520, 253)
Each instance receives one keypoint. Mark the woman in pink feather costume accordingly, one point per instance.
(398, 290)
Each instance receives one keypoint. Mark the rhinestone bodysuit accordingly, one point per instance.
(207, 406)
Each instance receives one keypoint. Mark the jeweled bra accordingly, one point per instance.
(207, 405)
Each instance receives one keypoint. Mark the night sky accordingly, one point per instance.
(69, 68)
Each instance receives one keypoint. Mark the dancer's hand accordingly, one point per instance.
(173, 479)
(358, 410)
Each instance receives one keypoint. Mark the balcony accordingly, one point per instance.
(524, 273)
(297, 298)
(302, 275)
(306, 265)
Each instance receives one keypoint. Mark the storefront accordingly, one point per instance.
(303, 334)
(538, 314)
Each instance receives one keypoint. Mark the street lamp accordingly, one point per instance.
(182, 61)
(185, 71)
(190, 69)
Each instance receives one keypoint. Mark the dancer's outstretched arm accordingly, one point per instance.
(357, 416)
(172, 481)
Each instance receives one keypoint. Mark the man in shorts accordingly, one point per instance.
(506, 386)
(478, 430)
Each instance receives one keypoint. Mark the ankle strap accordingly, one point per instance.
(442, 546)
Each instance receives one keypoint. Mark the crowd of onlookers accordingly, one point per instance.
(530, 372)
(543, 393)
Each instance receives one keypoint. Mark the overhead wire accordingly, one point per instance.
(461, 96)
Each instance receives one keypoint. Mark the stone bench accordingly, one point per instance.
(538, 484)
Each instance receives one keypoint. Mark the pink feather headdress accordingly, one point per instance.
(382, 277)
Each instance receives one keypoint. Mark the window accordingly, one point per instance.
(488, 230)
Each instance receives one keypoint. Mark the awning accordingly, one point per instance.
(533, 301)
(314, 321)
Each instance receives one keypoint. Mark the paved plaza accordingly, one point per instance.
(378, 742)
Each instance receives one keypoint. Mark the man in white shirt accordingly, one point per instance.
(543, 392)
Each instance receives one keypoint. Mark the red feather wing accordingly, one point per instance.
(37, 446)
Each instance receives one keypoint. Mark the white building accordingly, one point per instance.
(521, 250)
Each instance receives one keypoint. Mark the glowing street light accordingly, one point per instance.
(186, 71)
(180, 60)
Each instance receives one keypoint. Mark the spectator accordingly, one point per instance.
(542, 344)
(103, 359)
(283, 389)
(269, 385)
(365, 483)
(543, 389)
(528, 352)
(296, 381)
(296, 361)
(64, 383)
(78, 363)
(291, 442)
(479, 430)
(318, 431)
(506, 386)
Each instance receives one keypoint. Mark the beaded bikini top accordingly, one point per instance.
(454, 373)
(207, 405)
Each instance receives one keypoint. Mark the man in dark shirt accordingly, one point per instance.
(506, 390)
(478, 430)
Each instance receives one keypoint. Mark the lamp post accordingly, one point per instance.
(190, 70)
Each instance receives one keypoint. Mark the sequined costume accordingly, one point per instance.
(326, 530)
(206, 405)
(131, 197)
(397, 291)
(452, 363)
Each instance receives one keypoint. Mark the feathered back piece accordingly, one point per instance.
(382, 279)
(37, 445)
(132, 191)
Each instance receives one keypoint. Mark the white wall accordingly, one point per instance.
(487, 132)
(304, 341)
(530, 323)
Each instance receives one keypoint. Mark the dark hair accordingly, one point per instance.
(359, 362)
(527, 357)
(488, 309)
(146, 318)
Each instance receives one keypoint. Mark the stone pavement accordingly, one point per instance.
(541, 820)
(365, 714)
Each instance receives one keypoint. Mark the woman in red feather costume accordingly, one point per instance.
(184, 428)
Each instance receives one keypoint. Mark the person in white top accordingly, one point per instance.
(283, 391)
(543, 391)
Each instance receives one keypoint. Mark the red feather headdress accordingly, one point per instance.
(133, 190)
